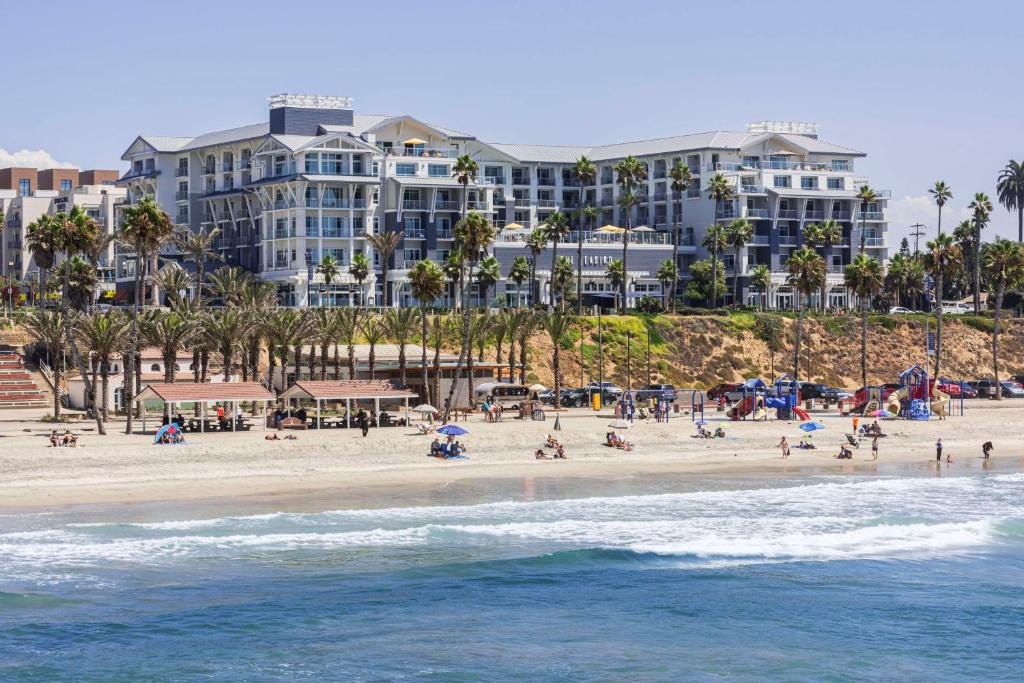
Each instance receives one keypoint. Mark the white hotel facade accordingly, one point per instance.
(317, 178)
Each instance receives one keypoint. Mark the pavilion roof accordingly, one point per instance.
(345, 389)
(205, 393)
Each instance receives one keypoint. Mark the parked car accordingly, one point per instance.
(1012, 390)
(986, 387)
(811, 390)
(658, 391)
(715, 392)
(606, 387)
(834, 394)
(577, 398)
(955, 308)
(967, 391)
(1019, 379)
(900, 310)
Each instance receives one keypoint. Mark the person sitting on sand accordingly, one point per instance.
(435, 446)
(844, 453)
(949, 458)
(66, 440)
(720, 433)
(540, 455)
(272, 437)
(702, 433)
(560, 452)
(550, 442)
(73, 442)
(54, 439)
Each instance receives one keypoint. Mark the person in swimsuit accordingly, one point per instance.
(784, 446)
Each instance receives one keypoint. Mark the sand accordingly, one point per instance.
(119, 468)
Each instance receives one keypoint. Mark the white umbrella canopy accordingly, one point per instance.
(424, 408)
(538, 387)
(620, 424)
(643, 228)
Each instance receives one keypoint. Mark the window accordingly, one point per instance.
(437, 170)
(411, 255)
(376, 168)
(835, 183)
(412, 224)
(783, 181)
(154, 368)
(808, 182)
(384, 146)
(65, 185)
(751, 162)
(443, 225)
(405, 169)
(24, 187)
(840, 164)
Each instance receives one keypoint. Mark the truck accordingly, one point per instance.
(666, 392)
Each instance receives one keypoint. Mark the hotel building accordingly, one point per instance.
(317, 178)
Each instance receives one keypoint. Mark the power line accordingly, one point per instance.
(919, 232)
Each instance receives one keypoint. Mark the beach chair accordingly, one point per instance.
(424, 428)
(852, 440)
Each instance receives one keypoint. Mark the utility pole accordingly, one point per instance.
(648, 356)
(629, 377)
(917, 234)
(600, 353)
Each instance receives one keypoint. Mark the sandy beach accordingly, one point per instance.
(129, 469)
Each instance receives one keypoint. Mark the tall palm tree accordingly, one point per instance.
(1004, 269)
(385, 244)
(536, 242)
(103, 333)
(81, 278)
(454, 271)
(865, 277)
(720, 190)
(169, 333)
(824, 235)
(400, 324)
(630, 172)
(348, 329)
(715, 241)
(615, 273)
(738, 235)
(174, 280)
(440, 331)
(473, 235)
(488, 272)
(427, 283)
(77, 230)
(229, 284)
(528, 324)
(330, 270)
(806, 270)
(981, 209)
(1010, 191)
(146, 227)
(197, 247)
(667, 274)
(866, 196)
(359, 269)
(41, 239)
(897, 275)
(465, 170)
(943, 257)
(322, 328)
(761, 280)
(48, 328)
(557, 324)
(227, 329)
(502, 329)
(682, 179)
(555, 228)
(963, 233)
(585, 171)
(95, 252)
(519, 272)
(561, 279)
(941, 193)
(288, 326)
(374, 332)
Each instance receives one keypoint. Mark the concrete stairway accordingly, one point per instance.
(18, 387)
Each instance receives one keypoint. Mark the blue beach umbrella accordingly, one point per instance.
(811, 426)
(171, 429)
(452, 430)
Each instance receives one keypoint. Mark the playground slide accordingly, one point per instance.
(940, 400)
(774, 402)
(801, 413)
(761, 414)
(893, 403)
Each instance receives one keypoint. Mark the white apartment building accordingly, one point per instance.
(317, 178)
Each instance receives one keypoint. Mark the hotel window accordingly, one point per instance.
(280, 164)
(835, 183)
(65, 185)
(412, 224)
(331, 164)
(357, 165)
(751, 162)
(376, 168)
(384, 146)
(411, 255)
(376, 224)
(437, 170)
(405, 169)
(24, 187)
(840, 164)
(443, 224)
(808, 182)
(442, 255)
(783, 181)
(312, 163)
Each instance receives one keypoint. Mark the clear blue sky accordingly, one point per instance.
(929, 90)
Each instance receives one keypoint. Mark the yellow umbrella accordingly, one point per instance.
(513, 226)
(610, 228)
(414, 141)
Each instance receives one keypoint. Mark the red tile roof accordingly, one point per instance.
(352, 388)
(213, 391)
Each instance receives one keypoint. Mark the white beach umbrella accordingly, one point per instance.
(620, 424)
(424, 408)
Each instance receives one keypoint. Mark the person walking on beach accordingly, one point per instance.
(874, 447)
(986, 449)
(856, 424)
(364, 424)
(938, 450)
(784, 446)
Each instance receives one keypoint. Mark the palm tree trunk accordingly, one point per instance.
(714, 279)
(938, 326)
(864, 341)
(556, 366)
(204, 365)
(401, 362)
(464, 350)
(323, 362)
(55, 369)
(799, 337)
(437, 376)
(105, 381)
(1020, 224)
(133, 336)
(499, 343)
(372, 361)
(625, 267)
(351, 361)
(228, 354)
(522, 358)
(551, 279)
(736, 278)
(976, 266)
(1000, 290)
(297, 354)
(579, 266)
(512, 358)
(423, 353)
(676, 237)
(337, 364)
(90, 387)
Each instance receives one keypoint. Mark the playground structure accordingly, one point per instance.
(696, 402)
(917, 398)
(753, 401)
(787, 405)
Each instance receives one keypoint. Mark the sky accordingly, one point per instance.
(929, 90)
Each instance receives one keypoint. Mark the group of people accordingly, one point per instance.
(551, 442)
(703, 433)
(68, 440)
(451, 448)
(492, 411)
(274, 437)
(613, 440)
(167, 438)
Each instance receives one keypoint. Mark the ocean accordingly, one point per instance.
(809, 578)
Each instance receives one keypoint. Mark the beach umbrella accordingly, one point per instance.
(620, 424)
(643, 228)
(538, 387)
(881, 413)
(169, 429)
(610, 228)
(424, 408)
(514, 226)
(811, 426)
(451, 430)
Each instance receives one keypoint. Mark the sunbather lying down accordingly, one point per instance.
(615, 441)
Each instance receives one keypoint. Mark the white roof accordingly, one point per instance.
(165, 143)
(553, 154)
(221, 137)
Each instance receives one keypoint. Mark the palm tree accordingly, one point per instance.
(615, 272)
(720, 190)
(287, 326)
(48, 328)
(227, 329)
(145, 229)
(865, 277)
(943, 257)
(174, 280)
(440, 330)
(631, 173)
(556, 227)
(385, 244)
(81, 278)
(527, 325)
(557, 324)
(197, 247)
(473, 235)
(963, 233)
(502, 329)
(229, 284)
(667, 274)
(359, 269)
(479, 331)
(981, 209)
(738, 235)
(330, 269)
(454, 269)
(806, 271)
(866, 196)
(400, 324)
(348, 330)
(374, 332)
(103, 334)
(536, 242)
(95, 252)
(77, 230)
(824, 235)
(168, 332)
(487, 275)
(322, 326)
(464, 170)
(715, 241)
(585, 171)
(41, 240)
(682, 178)
(1004, 269)
(519, 272)
(561, 278)
(761, 280)
(941, 193)
(427, 284)
(1010, 191)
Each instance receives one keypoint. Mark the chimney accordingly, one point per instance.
(302, 114)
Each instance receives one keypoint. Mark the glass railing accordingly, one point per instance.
(814, 215)
(872, 215)
(786, 214)
(441, 205)
(425, 152)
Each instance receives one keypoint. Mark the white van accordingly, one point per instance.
(955, 308)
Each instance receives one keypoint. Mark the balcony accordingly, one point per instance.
(607, 202)
(876, 242)
(760, 241)
(434, 153)
(786, 214)
(841, 215)
(757, 213)
(693, 193)
(836, 269)
(445, 234)
(872, 216)
(522, 202)
(209, 169)
(546, 181)
(444, 205)
(546, 203)
(283, 233)
(752, 189)
(477, 205)
(227, 167)
(331, 232)
(181, 196)
(414, 205)
(284, 204)
(520, 180)
(415, 233)
(223, 215)
(814, 215)
(181, 172)
(725, 214)
(787, 240)
(181, 219)
(494, 179)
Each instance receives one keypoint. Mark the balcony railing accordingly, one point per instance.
(477, 205)
(444, 205)
(546, 203)
(334, 232)
(787, 240)
(284, 204)
(786, 214)
(546, 182)
(415, 233)
(874, 241)
(495, 179)
(814, 215)
(209, 169)
(520, 180)
(181, 195)
(414, 205)
(445, 234)
(181, 172)
(223, 215)
(426, 153)
(181, 218)
(836, 269)
(760, 241)
(872, 216)
(283, 233)
(660, 197)
(597, 238)
(522, 201)
(752, 189)
(841, 215)
(757, 213)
